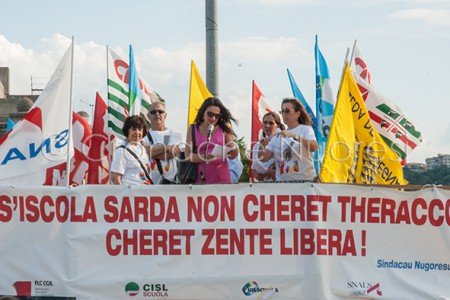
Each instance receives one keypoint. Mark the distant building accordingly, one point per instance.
(438, 161)
(416, 167)
(12, 106)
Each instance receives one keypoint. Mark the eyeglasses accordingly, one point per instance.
(210, 114)
(159, 111)
(269, 122)
(286, 111)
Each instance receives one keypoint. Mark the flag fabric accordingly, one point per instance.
(198, 92)
(318, 155)
(260, 107)
(355, 151)
(324, 103)
(99, 147)
(9, 124)
(360, 66)
(397, 129)
(81, 132)
(42, 139)
(298, 95)
(79, 163)
(118, 109)
(134, 95)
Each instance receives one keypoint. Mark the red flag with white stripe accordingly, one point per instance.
(99, 150)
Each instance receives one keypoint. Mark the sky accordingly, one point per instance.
(406, 44)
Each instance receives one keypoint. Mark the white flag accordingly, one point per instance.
(40, 141)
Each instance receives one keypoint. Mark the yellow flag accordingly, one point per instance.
(198, 92)
(355, 151)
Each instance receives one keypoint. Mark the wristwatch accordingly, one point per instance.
(297, 138)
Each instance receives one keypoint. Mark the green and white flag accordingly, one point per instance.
(118, 102)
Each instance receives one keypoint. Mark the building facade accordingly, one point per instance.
(438, 161)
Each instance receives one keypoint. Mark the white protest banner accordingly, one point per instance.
(284, 241)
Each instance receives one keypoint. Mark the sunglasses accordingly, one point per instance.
(269, 122)
(210, 114)
(286, 111)
(159, 111)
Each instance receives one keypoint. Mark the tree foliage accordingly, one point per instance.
(439, 175)
(245, 160)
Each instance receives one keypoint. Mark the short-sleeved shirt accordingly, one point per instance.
(125, 164)
(293, 160)
(166, 137)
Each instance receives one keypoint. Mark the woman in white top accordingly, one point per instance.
(130, 163)
(265, 171)
(293, 148)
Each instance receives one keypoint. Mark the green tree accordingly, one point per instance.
(439, 175)
(245, 160)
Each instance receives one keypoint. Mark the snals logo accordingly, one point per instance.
(148, 289)
(132, 288)
(360, 288)
(252, 288)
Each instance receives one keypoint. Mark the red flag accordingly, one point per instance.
(260, 107)
(79, 164)
(99, 152)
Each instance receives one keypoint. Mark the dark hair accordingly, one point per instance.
(225, 115)
(304, 117)
(135, 122)
(277, 119)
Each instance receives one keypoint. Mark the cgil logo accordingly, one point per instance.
(43, 283)
(132, 288)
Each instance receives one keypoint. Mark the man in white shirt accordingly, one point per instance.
(163, 148)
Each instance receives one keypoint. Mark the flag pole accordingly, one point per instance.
(70, 143)
(343, 72)
(189, 97)
(250, 171)
(108, 133)
(353, 53)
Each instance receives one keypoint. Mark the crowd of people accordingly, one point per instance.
(284, 152)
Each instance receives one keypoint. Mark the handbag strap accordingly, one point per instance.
(158, 162)
(147, 175)
(194, 146)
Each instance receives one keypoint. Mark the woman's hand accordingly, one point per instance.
(264, 141)
(207, 157)
(233, 153)
(287, 134)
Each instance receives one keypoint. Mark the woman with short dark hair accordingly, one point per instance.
(130, 163)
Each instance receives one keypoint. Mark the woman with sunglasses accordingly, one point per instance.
(292, 148)
(265, 171)
(212, 129)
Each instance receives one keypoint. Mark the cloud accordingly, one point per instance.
(432, 17)
(167, 71)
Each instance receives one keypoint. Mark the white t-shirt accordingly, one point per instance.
(125, 164)
(167, 137)
(293, 160)
(258, 166)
